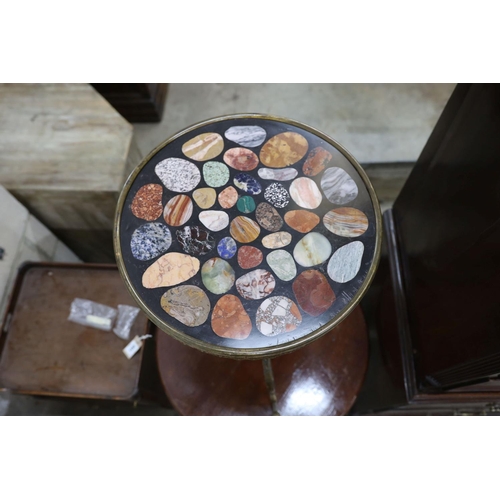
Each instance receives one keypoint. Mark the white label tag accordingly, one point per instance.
(132, 347)
(98, 321)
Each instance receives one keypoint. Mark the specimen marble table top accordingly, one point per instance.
(247, 235)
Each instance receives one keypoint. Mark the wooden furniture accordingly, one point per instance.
(443, 236)
(250, 237)
(44, 354)
(136, 102)
(65, 154)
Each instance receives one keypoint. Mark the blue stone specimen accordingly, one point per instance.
(150, 240)
(247, 183)
(227, 248)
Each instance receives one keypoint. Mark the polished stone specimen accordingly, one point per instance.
(246, 204)
(277, 240)
(345, 262)
(215, 173)
(249, 257)
(283, 150)
(313, 292)
(178, 210)
(195, 240)
(312, 250)
(316, 162)
(268, 217)
(188, 304)
(230, 320)
(346, 221)
(243, 229)
(277, 315)
(169, 270)
(247, 183)
(283, 265)
(338, 186)
(227, 248)
(205, 197)
(178, 175)
(256, 285)
(241, 159)
(248, 136)
(270, 174)
(215, 220)
(301, 220)
(217, 275)
(147, 203)
(277, 195)
(150, 240)
(228, 197)
(305, 193)
(204, 147)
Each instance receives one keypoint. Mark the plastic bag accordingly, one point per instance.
(125, 320)
(89, 313)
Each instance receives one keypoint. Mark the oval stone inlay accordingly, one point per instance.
(246, 135)
(188, 304)
(282, 264)
(305, 193)
(215, 220)
(301, 220)
(346, 221)
(277, 240)
(313, 292)
(243, 229)
(283, 150)
(228, 197)
(277, 195)
(249, 257)
(178, 210)
(316, 162)
(204, 146)
(277, 315)
(227, 248)
(256, 285)
(215, 173)
(246, 204)
(338, 186)
(268, 217)
(178, 175)
(150, 240)
(241, 159)
(230, 320)
(169, 270)
(205, 197)
(345, 262)
(147, 203)
(247, 183)
(270, 174)
(217, 275)
(312, 250)
(195, 240)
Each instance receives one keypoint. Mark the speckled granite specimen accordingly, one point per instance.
(150, 240)
(277, 195)
(215, 173)
(268, 217)
(147, 203)
(178, 175)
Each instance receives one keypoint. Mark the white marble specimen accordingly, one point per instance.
(282, 174)
(248, 136)
(345, 262)
(338, 186)
(215, 220)
(312, 250)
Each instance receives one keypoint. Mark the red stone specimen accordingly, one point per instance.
(249, 257)
(230, 320)
(313, 292)
(316, 161)
(241, 159)
(147, 202)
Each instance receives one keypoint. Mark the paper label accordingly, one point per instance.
(132, 347)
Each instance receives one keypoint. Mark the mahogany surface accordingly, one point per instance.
(322, 378)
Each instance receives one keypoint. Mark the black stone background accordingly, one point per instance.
(343, 292)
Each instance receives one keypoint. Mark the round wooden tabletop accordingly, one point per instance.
(322, 378)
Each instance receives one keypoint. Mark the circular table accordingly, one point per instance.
(248, 237)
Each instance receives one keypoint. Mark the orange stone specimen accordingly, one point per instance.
(283, 150)
(346, 221)
(316, 162)
(241, 159)
(228, 197)
(230, 320)
(313, 292)
(301, 220)
(244, 230)
(147, 202)
(178, 210)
